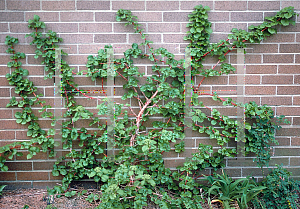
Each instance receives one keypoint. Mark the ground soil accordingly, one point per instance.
(39, 199)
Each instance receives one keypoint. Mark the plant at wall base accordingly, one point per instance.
(137, 173)
(281, 190)
(229, 191)
(1, 188)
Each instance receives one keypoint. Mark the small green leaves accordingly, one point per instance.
(180, 147)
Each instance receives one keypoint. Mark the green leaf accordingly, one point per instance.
(272, 30)
(285, 22)
(55, 173)
(29, 156)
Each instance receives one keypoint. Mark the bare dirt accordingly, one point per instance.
(39, 199)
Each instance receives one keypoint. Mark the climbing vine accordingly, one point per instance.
(137, 173)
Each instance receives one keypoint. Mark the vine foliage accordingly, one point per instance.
(137, 174)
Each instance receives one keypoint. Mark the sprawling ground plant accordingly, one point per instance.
(136, 174)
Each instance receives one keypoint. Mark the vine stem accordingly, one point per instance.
(138, 119)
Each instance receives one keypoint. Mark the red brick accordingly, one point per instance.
(288, 69)
(3, 102)
(241, 162)
(27, 176)
(296, 121)
(294, 161)
(165, 5)
(89, 49)
(110, 38)
(249, 58)
(237, 172)
(231, 5)
(289, 48)
(173, 38)
(260, 90)
(255, 99)
(296, 100)
(76, 16)
(6, 58)
(132, 5)
(2, 5)
(3, 82)
(296, 79)
(86, 103)
(105, 16)
(163, 27)
(277, 79)
(262, 48)
(297, 58)
(288, 90)
(121, 27)
(278, 58)
(293, 28)
(19, 28)
(189, 5)
(228, 111)
(7, 135)
(7, 114)
(19, 166)
(77, 38)
(95, 27)
(45, 16)
(224, 90)
(175, 16)
(22, 135)
(170, 154)
(291, 131)
(226, 27)
(217, 80)
(93, 5)
(288, 111)
(58, 5)
(287, 151)
(170, 163)
(218, 16)
(136, 38)
(277, 38)
(23, 5)
(3, 27)
(7, 176)
(294, 4)
(39, 156)
(83, 81)
(263, 5)
(62, 27)
(215, 38)
(255, 171)
(261, 69)
(249, 79)
(40, 81)
(35, 70)
(276, 100)
(10, 124)
(246, 16)
(76, 59)
(295, 141)
(148, 16)
(48, 165)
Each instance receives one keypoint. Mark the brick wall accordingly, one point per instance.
(272, 68)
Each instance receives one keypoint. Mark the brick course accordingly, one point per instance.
(272, 74)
